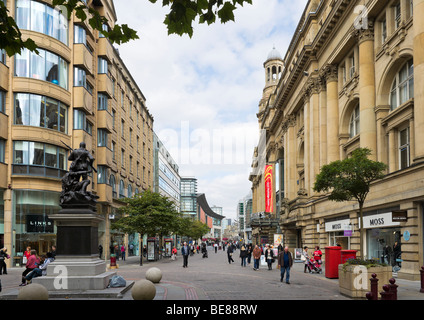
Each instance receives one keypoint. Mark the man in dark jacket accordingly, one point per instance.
(285, 261)
(230, 251)
(185, 251)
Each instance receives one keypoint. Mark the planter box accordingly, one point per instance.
(354, 281)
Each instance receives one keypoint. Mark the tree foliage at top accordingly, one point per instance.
(182, 14)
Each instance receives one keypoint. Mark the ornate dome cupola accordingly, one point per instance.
(273, 65)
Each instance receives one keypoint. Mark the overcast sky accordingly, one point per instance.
(203, 89)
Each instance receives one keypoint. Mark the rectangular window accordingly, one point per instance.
(102, 174)
(3, 56)
(102, 65)
(397, 15)
(404, 148)
(101, 138)
(2, 101)
(101, 101)
(2, 150)
(79, 119)
(383, 31)
(122, 158)
(80, 35)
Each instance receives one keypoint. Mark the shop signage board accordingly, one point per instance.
(399, 216)
(381, 220)
(338, 225)
(38, 223)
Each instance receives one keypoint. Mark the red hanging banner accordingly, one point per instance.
(269, 199)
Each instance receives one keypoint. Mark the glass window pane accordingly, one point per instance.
(37, 16)
(36, 117)
(22, 108)
(63, 29)
(52, 67)
(20, 150)
(63, 119)
(22, 14)
(36, 153)
(63, 74)
(22, 63)
(51, 156)
(37, 65)
(62, 159)
(52, 109)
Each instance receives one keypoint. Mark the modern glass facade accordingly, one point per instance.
(31, 225)
(189, 196)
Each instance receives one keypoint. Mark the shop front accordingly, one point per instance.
(32, 226)
(339, 232)
(384, 239)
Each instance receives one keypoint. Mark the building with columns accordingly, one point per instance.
(77, 89)
(351, 78)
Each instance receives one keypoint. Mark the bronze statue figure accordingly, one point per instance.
(75, 181)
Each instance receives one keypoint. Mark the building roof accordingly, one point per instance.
(201, 200)
(274, 54)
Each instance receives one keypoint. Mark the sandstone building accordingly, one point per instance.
(77, 89)
(351, 77)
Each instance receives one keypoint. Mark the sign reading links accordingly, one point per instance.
(39, 224)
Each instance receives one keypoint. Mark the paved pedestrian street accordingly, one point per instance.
(213, 278)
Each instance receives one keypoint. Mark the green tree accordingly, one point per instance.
(193, 229)
(182, 14)
(148, 213)
(350, 179)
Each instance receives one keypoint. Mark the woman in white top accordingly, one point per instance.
(305, 257)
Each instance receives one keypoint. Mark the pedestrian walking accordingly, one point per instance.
(123, 252)
(185, 251)
(269, 257)
(3, 257)
(174, 254)
(285, 261)
(243, 255)
(216, 247)
(256, 257)
(249, 253)
(230, 251)
(305, 258)
(317, 254)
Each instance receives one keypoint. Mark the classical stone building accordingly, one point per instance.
(351, 77)
(76, 89)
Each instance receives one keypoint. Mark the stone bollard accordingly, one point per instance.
(33, 291)
(373, 294)
(422, 279)
(154, 274)
(393, 288)
(143, 290)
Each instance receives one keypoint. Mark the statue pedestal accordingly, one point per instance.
(77, 265)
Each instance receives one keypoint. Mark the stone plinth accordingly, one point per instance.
(77, 266)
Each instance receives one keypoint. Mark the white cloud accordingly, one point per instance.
(213, 82)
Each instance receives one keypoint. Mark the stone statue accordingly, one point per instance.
(75, 181)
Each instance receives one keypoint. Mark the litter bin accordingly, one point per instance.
(347, 255)
(332, 261)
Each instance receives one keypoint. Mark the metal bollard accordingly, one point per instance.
(373, 294)
(393, 288)
(386, 294)
(422, 279)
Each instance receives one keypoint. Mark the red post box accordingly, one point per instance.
(347, 255)
(332, 261)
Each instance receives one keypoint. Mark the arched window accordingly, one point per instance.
(121, 189)
(354, 122)
(403, 86)
(130, 191)
(112, 183)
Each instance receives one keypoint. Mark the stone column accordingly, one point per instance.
(314, 132)
(392, 151)
(333, 152)
(368, 126)
(418, 79)
(306, 141)
(290, 161)
(322, 122)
